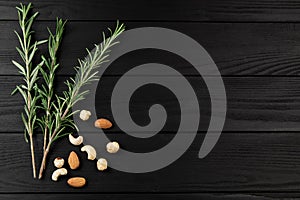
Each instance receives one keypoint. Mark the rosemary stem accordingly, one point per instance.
(83, 76)
(45, 139)
(32, 155)
(30, 133)
(53, 45)
(50, 88)
(46, 151)
(28, 70)
(43, 165)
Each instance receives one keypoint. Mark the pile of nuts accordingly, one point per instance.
(73, 160)
(74, 163)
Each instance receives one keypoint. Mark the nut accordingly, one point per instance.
(103, 123)
(90, 150)
(85, 115)
(112, 147)
(77, 182)
(59, 162)
(102, 164)
(73, 160)
(59, 172)
(75, 141)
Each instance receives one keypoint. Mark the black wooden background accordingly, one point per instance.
(256, 46)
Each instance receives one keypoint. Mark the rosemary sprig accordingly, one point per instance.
(29, 72)
(84, 75)
(45, 91)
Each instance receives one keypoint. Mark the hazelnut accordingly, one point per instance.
(59, 162)
(85, 115)
(112, 147)
(102, 164)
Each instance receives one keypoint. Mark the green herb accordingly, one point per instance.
(85, 74)
(29, 72)
(45, 91)
(58, 114)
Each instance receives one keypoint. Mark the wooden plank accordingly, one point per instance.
(192, 10)
(148, 196)
(237, 48)
(239, 163)
(108, 10)
(254, 103)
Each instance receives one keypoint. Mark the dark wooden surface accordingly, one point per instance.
(255, 45)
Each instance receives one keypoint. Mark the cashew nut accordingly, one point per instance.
(59, 172)
(90, 151)
(85, 115)
(101, 164)
(112, 147)
(75, 141)
(59, 162)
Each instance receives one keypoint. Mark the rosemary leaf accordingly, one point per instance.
(29, 72)
(45, 91)
(62, 114)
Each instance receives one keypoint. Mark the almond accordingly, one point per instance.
(103, 123)
(77, 182)
(73, 160)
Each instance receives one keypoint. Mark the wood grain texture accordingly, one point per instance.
(255, 45)
(148, 196)
(254, 103)
(238, 49)
(247, 163)
(191, 10)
